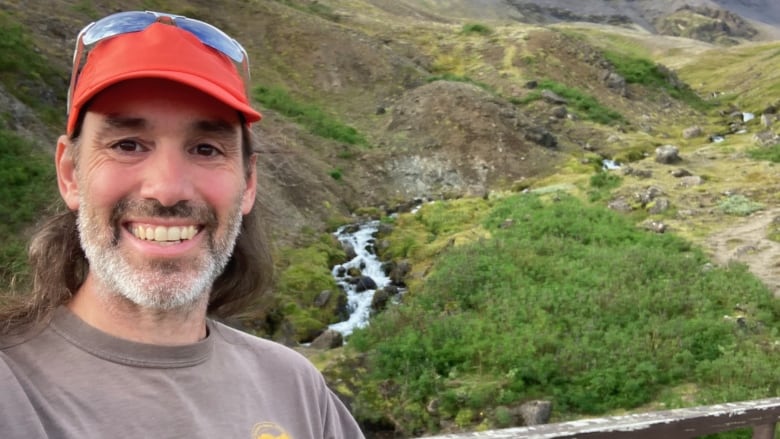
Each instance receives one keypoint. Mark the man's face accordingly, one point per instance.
(160, 186)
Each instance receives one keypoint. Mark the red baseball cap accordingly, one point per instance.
(160, 51)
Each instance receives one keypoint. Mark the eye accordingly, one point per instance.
(128, 146)
(206, 150)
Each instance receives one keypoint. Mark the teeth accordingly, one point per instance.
(164, 234)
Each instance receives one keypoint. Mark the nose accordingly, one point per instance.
(167, 177)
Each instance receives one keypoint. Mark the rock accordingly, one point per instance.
(399, 272)
(639, 173)
(354, 272)
(379, 301)
(531, 85)
(541, 136)
(535, 412)
(329, 339)
(553, 98)
(667, 154)
(691, 132)
(560, 112)
(659, 205)
(364, 283)
(678, 173)
(766, 138)
(620, 205)
(615, 82)
(322, 299)
(766, 120)
(693, 180)
(654, 226)
(650, 194)
(349, 251)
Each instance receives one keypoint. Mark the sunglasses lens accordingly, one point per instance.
(213, 37)
(117, 24)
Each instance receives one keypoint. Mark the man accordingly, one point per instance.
(159, 178)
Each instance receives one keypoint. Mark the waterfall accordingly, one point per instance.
(359, 303)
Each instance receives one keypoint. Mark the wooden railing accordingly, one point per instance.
(759, 415)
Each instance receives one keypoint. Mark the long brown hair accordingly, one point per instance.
(59, 267)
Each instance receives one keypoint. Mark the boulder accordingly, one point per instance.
(364, 283)
(329, 339)
(667, 154)
(691, 132)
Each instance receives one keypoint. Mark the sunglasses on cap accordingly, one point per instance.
(136, 21)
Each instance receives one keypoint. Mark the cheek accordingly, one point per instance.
(221, 193)
(102, 189)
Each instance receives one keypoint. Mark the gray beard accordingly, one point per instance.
(155, 285)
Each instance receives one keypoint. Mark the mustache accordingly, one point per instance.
(200, 213)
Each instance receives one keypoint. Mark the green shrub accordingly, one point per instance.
(771, 154)
(739, 205)
(336, 174)
(643, 71)
(476, 28)
(575, 304)
(602, 182)
(303, 273)
(313, 118)
(605, 180)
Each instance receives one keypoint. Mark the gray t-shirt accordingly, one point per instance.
(70, 380)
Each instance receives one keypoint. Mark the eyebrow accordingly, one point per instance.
(216, 127)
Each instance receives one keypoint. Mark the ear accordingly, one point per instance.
(64, 160)
(248, 199)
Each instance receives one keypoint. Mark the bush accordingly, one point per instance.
(739, 205)
(476, 28)
(575, 304)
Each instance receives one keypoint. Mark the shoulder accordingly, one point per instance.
(267, 352)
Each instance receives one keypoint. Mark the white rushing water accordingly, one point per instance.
(359, 304)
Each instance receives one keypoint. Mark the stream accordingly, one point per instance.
(359, 302)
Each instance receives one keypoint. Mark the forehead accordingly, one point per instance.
(162, 105)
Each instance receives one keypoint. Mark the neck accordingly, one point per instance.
(115, 315)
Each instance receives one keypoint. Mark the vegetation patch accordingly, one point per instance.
(601, 183)
(569, 303)
(476, 28)
(590, 108)
(27, 186)
(739, 205)
(637, 70)
(316, 120)
(770, 154)
(304, 273)
(26, 74)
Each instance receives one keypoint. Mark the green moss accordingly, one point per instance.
(27, 75)
(316, 120)
(27, 186)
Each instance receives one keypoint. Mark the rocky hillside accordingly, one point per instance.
(455, 98)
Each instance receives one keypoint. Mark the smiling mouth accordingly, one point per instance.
(164, 234)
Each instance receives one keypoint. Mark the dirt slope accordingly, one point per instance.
(746, 242)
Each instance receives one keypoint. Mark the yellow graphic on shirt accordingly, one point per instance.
(269, 430)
